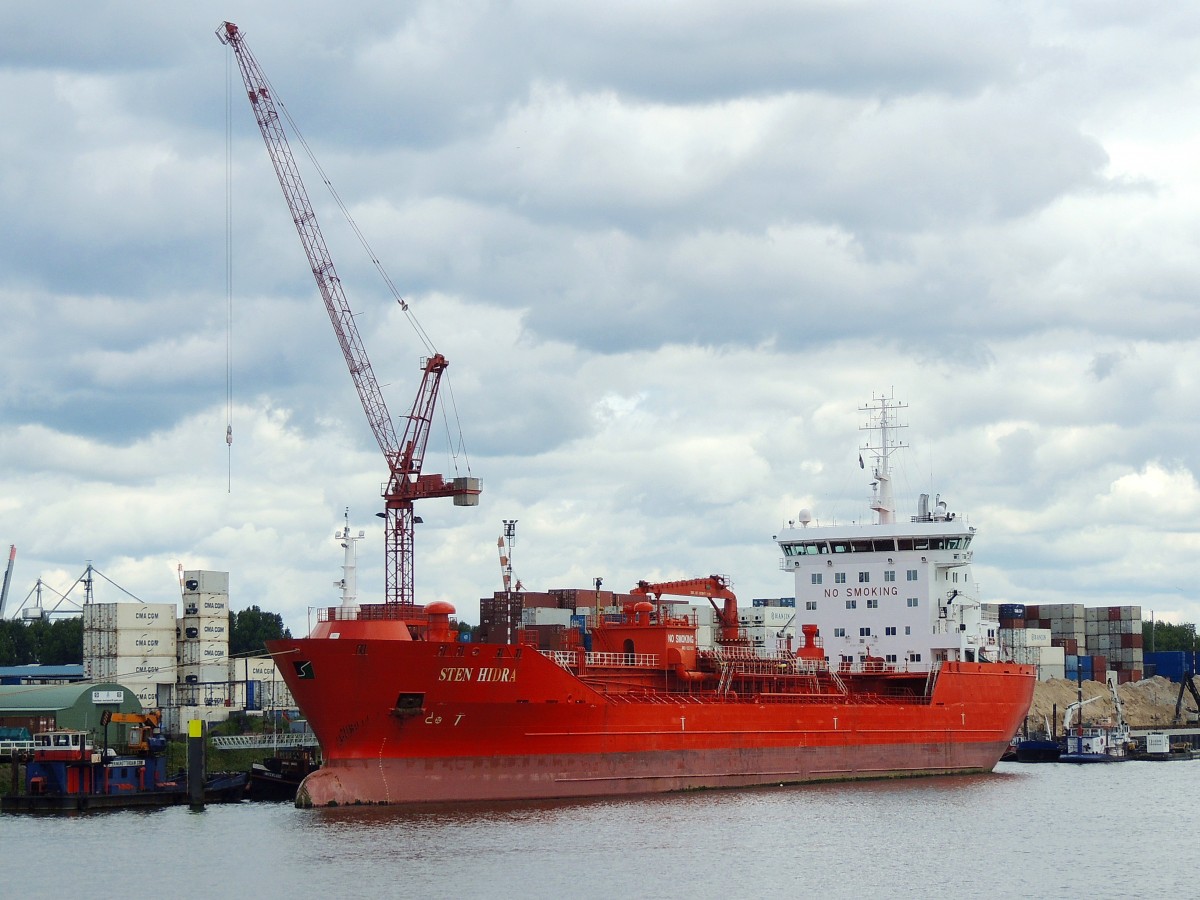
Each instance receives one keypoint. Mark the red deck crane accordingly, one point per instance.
(405, 455)
(712, 587)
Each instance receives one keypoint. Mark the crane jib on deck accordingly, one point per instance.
(405, 454)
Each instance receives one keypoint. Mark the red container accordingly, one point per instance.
(1031, 612)
(1099, 667)
(1070, 645)
(1131, 641)
(1114, 614)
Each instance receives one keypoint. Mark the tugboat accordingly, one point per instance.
(278, 777)
(67, 772)
(1096, 743)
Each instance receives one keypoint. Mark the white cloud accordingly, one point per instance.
(668, 259)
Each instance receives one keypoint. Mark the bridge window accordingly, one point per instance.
(851, 604)
(889, 575)
(864, 577)
(839, 632)
(839, 577)
(817, 577)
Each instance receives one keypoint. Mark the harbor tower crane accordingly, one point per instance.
(405, 454)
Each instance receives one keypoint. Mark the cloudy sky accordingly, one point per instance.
(670, 249)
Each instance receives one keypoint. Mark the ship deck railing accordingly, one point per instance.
(264, 741)
(9, 748)
(568, 659)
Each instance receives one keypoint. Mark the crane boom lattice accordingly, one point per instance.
(405, 457)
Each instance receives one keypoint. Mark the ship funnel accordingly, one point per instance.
(923, 506)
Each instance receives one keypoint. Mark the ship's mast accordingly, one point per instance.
(883, 422)
(349, 582)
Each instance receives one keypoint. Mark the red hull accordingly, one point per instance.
(423, 721)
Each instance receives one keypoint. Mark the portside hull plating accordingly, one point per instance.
(488, 722)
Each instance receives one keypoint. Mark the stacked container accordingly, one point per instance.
(203, 646)
(769, 624)
(258, 685)
(1116, 633)
(132, 644)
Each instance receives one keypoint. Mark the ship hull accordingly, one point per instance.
(482, 778)
(419, 722)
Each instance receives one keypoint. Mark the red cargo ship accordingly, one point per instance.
(405, 713)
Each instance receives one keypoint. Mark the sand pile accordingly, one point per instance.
(1148, 704)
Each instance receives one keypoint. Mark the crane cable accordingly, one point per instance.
(362, 238)
(229, 272)
(456, 448)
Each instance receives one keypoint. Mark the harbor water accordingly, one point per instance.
(1048, 830)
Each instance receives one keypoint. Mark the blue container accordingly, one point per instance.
(578, 621)
(1172, 664)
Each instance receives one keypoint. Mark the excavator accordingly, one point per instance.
(1187, 683)
(144, 735)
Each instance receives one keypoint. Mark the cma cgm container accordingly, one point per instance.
(200, 582)
(206, 605)
(194, 653)
(136, 644)
(129, 616)
(204, 628)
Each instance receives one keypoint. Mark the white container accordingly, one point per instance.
(202, 582)
(147, 695)
(204, 628)
(1048, 672)
(1037, 637)
(91, 643)
(275, 695)
(206, 605)
(194, 653)
(209, 673)
(542, 616)
(138, 643)
(253, 668)
(132, 616)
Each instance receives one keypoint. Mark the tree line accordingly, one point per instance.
(1163, 636)
(59, 642)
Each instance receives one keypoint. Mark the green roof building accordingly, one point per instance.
(43, 707)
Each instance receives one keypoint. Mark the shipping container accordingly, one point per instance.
(540, 615)
(208, 673)
(253, 668)
(206, 605)
(204, 628)
(202, 582)
(136, 643)
(130, 616)
(192, 653)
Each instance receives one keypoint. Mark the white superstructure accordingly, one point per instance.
(897, 590)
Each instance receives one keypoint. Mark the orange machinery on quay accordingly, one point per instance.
(406, 713)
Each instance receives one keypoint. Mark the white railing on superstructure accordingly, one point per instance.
(263, 741)
(8, 748)
(568, 659)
